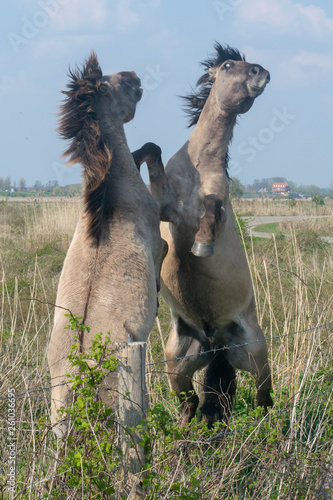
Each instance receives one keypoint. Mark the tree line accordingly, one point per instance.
(237, 188)
(6, 184)
(50, 188)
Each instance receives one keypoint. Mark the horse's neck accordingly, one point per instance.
(114, 136)
(208, 144)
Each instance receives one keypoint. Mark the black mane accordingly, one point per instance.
(80, 125)
(196, 101)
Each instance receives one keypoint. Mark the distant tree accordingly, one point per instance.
(313, 190)
(22, 184)
(236, 188)
(331, 189)
(265, 184)
(7, 183)
(2, 184)
(52, 184)
(38, 184)
(256, 185)
(302, 189)
(278, 179)
(293, 186)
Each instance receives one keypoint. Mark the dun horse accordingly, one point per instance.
(205, 277)
(111, 271)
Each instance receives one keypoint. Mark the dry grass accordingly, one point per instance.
(269, 206)
(283, 455)
(321, 227)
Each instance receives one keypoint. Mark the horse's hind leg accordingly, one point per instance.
(253, 356)
(220, 388)
(185, 341)
(61, 398)
(204, 241)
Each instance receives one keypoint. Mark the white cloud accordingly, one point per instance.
(287, 17)
(61, 48)
(123, 15)
(315, 60)
(42, 49)
(316, 19)
(306, 70)
(73, 14)
(132, 13)
(127, 17)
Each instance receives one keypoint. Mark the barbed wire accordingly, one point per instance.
(201, 353)
(214, 350)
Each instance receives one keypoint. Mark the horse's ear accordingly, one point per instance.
(103, 88)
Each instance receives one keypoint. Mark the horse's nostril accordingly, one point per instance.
(255, 70)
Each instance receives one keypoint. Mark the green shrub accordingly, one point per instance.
(91, 458)
(318, 200)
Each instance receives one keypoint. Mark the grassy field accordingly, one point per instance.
(320, 227)
(271, 206)
(284, 454)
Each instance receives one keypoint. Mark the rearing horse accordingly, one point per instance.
(205, 277)
(111, 272)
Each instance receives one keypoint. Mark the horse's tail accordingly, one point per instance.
(78, 123)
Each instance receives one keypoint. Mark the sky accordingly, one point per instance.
(287, 132)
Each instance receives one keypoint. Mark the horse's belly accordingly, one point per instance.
(212, 290)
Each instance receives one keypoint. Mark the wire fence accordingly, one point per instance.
(201, 353)
(214, 350)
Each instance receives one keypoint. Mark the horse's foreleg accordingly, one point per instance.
(204, 241)
(148, 152)
(185, 341)
(159, 184)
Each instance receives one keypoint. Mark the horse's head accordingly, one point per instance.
(237, 83)
(121, 91)
(233, 82)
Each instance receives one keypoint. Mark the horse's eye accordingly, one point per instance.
(227, 65)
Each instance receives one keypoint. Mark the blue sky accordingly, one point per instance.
(288, 131)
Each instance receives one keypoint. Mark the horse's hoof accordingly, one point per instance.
(202, 249)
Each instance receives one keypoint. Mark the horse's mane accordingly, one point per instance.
(78, 123)
(196, 101)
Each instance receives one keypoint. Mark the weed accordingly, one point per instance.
(91, 454)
